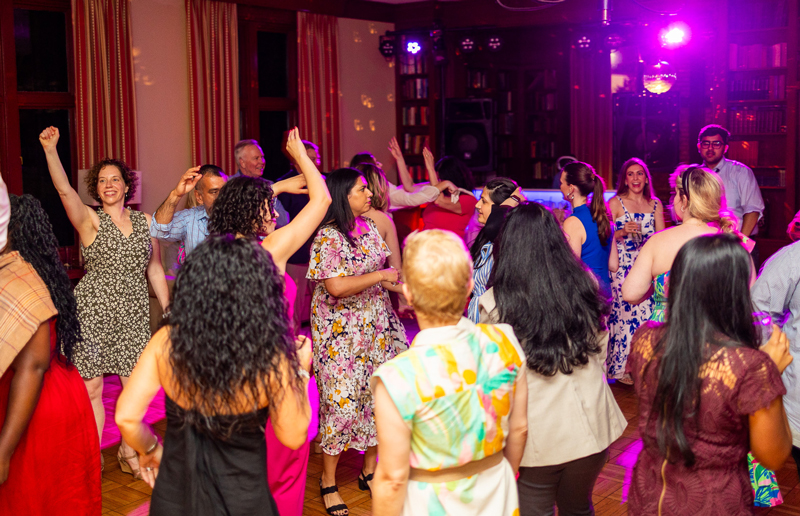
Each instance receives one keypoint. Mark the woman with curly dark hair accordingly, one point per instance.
(353, 326)
(49, 452)
(226, 361)
(245, 208)
(555, 307)
(113, 302)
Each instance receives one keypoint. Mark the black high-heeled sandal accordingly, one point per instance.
(336, 508)
(362, 482)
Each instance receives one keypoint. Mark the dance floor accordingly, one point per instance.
(123, 495)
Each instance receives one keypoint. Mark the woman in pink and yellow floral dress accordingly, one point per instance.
(353, 326)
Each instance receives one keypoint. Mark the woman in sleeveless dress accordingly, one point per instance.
(353, 325)
(240, 210)
(637, 215)
(450, 411)
(226, 361)
(48, 441)
(588, 229)
(113, 301)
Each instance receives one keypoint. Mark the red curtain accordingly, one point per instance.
(318, 85)
(213, 81)
(590, 110)
(105, 97)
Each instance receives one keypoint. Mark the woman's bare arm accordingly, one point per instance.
(394, 449)
(155, 272)
(518, 422)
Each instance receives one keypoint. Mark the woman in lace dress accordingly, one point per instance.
(637, 215)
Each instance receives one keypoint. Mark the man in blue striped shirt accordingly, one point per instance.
(191, 225)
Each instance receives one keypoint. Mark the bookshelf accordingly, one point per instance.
(760, 101)
(416, 104)
(546, 114)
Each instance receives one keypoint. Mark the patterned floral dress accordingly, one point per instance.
(626, 317)
(352, 337)
(454, 389)
(113, 304)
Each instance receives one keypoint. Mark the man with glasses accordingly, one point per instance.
(741, 188)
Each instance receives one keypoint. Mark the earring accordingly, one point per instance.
(571, 196)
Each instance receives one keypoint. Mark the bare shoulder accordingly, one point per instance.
(658, 204)
(615, 206)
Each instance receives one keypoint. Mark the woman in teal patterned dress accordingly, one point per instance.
(637, 215)
(697, 201)
(451, 411)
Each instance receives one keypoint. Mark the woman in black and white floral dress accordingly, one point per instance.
(113, 304)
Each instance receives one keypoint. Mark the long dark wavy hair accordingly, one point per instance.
(340, 216)
(128, 177)
(499, 189)
(454, 170)
(241, 207)
(709, 303)
(545, 293)
(585, 179)
(229, 332)
(30, 233)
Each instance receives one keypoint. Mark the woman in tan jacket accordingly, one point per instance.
(558, 316)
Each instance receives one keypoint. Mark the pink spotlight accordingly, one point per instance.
(674, 35)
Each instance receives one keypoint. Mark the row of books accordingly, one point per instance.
(415, 88)
(758, 55)
(744, 151)
(757, 120)
(543, 149)
(542, 124)
(504, 101)
(477, 79)
(505, 123)
(413, 64)
(414, 143)
(544, 170)
(542, 101)
(415, 115)
(758, 14)
(505, 149)
(771, 87)
(771, 177)
(418, 173)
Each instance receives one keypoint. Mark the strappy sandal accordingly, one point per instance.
(338, 507)
(363, 482)
(125, 467)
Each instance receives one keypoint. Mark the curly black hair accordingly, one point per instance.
(30, 233)
(127, 175)
(229, 332)
(241, 207)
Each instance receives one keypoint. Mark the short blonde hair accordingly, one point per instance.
(437, 268)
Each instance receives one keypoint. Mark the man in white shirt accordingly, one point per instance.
(741, 188)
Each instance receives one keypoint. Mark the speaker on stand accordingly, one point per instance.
(468, 133)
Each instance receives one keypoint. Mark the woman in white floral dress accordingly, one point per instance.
(637, 214)
(353, 326)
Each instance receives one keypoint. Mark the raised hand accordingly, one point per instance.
(394, 149)
(188, 181)
(293, 185)
(49, 138)
(427, 155)
(294, 146)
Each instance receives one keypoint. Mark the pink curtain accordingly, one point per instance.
(213, 81)
(105, 97)
(318, 85)
(590, 110)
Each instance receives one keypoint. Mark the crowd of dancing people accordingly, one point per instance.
(500, 404)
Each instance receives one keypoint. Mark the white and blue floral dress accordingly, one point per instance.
(625, 317)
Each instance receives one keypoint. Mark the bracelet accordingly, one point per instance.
(302, 373)
(152, 448)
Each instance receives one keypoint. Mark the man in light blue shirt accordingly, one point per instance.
(191, 225)
(742, 193)
(776, 293)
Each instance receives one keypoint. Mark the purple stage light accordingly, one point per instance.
(495, 43)
(674, 35)
(413, 47)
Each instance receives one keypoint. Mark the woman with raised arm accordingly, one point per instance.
(557, 312)
(49, 452)
(353, 325)
(637, 215)
(120, 255)
(450, 411)
(244, 208)
(707, 394)
(226, 361)
(588, 229)
(452, 210)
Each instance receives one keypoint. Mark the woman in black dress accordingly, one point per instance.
(227, 362)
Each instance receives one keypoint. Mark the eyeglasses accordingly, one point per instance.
(707, 144)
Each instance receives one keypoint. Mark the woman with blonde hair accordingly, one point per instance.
(697, 202)
(451, 411)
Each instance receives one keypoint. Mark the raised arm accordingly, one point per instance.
(29, 367)
(186, 184)
(285, 241)
(83, 218)
(430, 166)
(402, 169)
